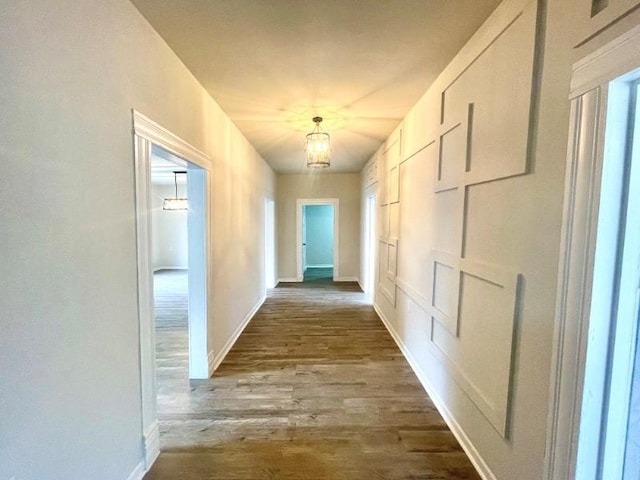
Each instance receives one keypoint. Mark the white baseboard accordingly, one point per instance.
(466, 444)
(138, 472)
(289, 280)
(216, 360)
(152, 444)
(320, 266)
(345, 279)
(211, 362)
(155, 269)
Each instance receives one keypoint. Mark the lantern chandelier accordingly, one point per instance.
(318, 147)
(176, 203)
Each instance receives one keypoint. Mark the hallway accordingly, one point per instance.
(315, 388)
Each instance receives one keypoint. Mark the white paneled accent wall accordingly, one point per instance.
(450, 273)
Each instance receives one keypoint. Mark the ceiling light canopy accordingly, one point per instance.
(176, 203)
(318, 147)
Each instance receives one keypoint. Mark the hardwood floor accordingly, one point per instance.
(315, 388)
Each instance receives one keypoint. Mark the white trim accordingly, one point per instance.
(608, 62)
(467, 445)
(300, 203)
(320, 266)
(142, 154)
(289, 280)
(163, 267)
(137, 473)
(147, 133)
(346, 279)
(144, 127)
(216, 359)
(152, 444)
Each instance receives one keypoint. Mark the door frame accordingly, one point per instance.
(145, 134)
(591, 83)
(270, 243)
(371, 243)
(300, 204)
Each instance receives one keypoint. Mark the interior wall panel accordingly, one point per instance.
(468, 135)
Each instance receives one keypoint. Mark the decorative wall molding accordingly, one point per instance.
(387, 268)
(215, 359)
(146, 128)
(505, 311)
(370, 172)
(445, 296)
(467, 445)
(606, 63)
(592, 23)
(502, 294)
(471, 126)
(500, 20)
(482, 136)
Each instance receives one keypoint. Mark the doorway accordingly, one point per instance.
(595, 386)
(269, 244)
(370, 248)
(609, 441)
(177, 243)
(151, 140)
(317, 255)
(317, 242)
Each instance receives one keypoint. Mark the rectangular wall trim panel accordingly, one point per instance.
(476, 119)
(481, 355)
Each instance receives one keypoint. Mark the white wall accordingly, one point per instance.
(343, 186)
(470, 213)
(169, 234)
(319, 235)
(71, 72)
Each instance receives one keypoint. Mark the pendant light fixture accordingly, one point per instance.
(318, 147)
(176, 203)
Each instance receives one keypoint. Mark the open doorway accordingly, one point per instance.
(317, 242)
(370, 248)
(155, 145)
(177, 254)
(269, 244)
(317, 235)
(170, 263)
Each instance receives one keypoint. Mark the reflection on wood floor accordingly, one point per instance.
(315, 388)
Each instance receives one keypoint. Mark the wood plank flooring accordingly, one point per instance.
(315, 389)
